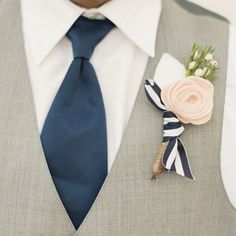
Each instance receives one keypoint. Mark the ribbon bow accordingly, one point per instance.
(175, 157)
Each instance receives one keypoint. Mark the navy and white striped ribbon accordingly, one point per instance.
(175, 157)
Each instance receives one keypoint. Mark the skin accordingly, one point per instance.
(89, 3)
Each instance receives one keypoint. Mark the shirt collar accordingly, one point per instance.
(45, 22)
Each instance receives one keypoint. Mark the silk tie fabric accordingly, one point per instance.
(74, 135)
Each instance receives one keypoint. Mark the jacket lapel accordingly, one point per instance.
(26, 185)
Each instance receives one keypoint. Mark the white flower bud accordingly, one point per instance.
(209, 57)
(208, 72)
(192, 64)
(196, 55)
(214, 63)
(199, 72)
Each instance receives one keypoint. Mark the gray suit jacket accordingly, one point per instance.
(128, 203)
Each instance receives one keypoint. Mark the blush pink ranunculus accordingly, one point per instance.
(191, 99)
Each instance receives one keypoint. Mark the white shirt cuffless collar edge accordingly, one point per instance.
(53, 18)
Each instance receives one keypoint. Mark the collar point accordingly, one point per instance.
(152, 54)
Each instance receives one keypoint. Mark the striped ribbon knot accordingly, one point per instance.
(175, 157)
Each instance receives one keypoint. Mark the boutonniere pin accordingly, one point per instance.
(185, 101)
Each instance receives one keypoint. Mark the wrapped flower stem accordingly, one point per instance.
(158, 166)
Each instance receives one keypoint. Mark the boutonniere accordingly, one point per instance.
(187, 100)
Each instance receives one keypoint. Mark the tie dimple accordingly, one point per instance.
(85, 34)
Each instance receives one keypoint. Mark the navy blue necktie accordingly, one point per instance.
(74, 135)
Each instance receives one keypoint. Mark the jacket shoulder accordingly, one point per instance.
(198, 10)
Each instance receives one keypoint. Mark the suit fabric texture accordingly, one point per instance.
(128, 203)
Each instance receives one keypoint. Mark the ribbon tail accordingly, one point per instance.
(153, 94)
(170, 154)
(175, 158)
(182, 165)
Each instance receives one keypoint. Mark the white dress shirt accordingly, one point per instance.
(119, 61)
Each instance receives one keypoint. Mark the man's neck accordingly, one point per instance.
(89, 3)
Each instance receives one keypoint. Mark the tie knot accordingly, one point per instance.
(86, 33)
